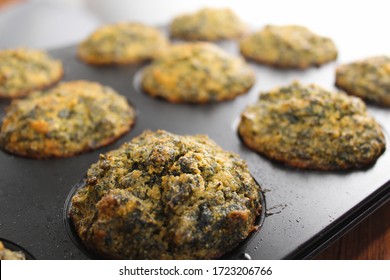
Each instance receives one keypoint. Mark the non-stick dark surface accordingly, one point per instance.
(305, 209)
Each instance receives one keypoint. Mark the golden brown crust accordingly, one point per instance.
(280, 66)
(208, 24)
(68, 154)
(197, 73)
(204, 100)
(122, 43)
(368, 79)
(95, 62)
(23, 71)
(72, 118)
(287, 47)
(174, 197)
(308, 127)
(25, 93)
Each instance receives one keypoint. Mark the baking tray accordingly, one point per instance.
(305, 210)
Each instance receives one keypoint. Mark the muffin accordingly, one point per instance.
(197, 73)
(289, 46)
(208, 25)
(368, 79)
(6, 254)
(26, 70)
(309, 127)
(122, 43)
(165, 196)
(72, 118)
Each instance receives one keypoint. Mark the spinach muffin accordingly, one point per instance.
(72, 118)
(309, 127)
(208, 24)
(197, 73)
(165, 196)
(122, 43)
(368, 79)
(289, 46)
(7, 254)
(26, 70)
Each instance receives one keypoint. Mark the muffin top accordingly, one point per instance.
(71, 118)
(7, 254)
(208, 24)
(25, 70)
(122, 43)
(369, 79)
(310, 127)
(289, 46)
(197, 73)
(165, 196)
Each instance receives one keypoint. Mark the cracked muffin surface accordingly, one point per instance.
(288, 46)
(368, 79)
(197, 73)
(165, 196)
(72, 118)
(312, 128)
(25, 70)
(122, 43)
(208, 24)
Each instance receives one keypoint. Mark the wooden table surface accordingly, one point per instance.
(369, 240)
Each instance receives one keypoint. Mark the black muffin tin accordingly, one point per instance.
(305, 210)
